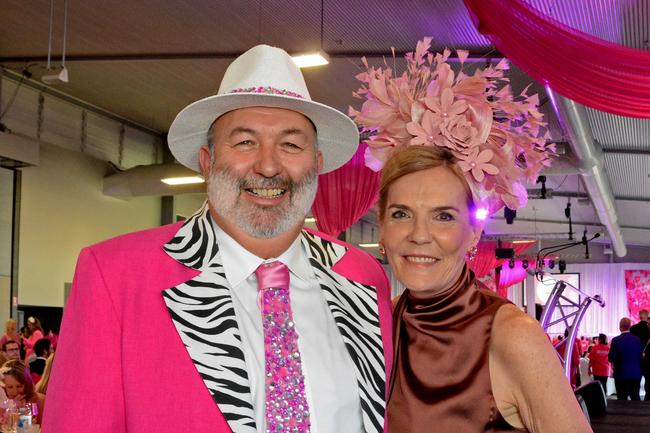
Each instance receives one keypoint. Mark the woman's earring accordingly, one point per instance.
(382, 249)
(471, 254)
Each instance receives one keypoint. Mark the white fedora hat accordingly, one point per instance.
(263, 76)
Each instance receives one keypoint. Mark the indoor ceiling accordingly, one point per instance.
(145, 60)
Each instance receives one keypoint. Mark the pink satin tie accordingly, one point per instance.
(286, 404)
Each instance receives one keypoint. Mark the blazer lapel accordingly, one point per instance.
(203, 314)
(355, 310)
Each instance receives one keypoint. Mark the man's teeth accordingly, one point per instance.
(417, 259)
(265, 192)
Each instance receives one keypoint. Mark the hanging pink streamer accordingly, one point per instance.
(581, 67)
(345, 195)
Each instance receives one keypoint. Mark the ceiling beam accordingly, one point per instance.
(625, 151)
(24, 81)
(474, 56)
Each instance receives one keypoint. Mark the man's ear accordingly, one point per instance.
(319, 158)
(205, 160)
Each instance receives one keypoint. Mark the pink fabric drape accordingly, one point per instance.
(586, 69)
(345, 195)
(637, 286)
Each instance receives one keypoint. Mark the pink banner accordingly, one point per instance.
(637, 285)
(586, 69)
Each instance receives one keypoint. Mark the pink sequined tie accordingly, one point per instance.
(286, 404)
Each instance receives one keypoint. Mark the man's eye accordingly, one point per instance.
(245, 143)
(398, 214)
(292, 147)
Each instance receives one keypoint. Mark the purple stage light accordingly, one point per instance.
(481, 213)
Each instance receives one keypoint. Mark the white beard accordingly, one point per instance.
(263, 222)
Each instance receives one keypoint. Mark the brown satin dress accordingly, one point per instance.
(441, 377)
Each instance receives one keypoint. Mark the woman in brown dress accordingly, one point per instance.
(466, 360)
(455, 142)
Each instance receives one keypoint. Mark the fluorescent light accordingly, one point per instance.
(370, 245)
(310, 220)
(182, 180)
(311, 59)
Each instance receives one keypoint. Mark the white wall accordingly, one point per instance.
(63, 210)
(187, 204)
(6, 216)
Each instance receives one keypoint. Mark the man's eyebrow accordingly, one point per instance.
(241, 130)
(290, 131)
(245, 130)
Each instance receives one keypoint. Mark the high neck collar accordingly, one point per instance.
(443, 298)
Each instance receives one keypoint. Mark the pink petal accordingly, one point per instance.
(447, 99)
(478, 174)
(378, 89)
(415, 129)
(490, 169)
(484, 156)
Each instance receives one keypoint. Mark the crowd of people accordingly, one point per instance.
(626, 358)
(25, 365)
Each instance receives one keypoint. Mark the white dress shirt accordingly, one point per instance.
(330, 382)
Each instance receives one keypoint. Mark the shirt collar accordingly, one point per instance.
(239, 263)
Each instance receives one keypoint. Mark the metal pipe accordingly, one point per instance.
(589, 157)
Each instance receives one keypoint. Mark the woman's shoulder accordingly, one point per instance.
(513, 329)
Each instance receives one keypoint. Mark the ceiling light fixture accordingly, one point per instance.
(320, 58)
(370, 245)
(59, 76)
(509, 215)
(182, 180)
(311, 59)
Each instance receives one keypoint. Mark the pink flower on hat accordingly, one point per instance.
(477, 162)
(424, 133)
(497, 138)
(445, 108)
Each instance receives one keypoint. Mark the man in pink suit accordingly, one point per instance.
(163, 330)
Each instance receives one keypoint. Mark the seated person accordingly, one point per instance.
(11, 349)
(42, 349)
(18, 385)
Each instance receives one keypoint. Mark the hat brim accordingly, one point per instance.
(337, 134)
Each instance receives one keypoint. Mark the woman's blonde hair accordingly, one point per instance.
(412, 159)
(41, 386)
(19, 371)
(11, 322)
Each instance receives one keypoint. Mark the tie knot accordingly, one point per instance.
(274, 274)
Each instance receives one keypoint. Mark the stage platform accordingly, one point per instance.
(624, 417)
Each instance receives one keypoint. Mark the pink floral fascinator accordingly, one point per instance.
(497, 139)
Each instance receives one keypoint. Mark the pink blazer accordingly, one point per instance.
(126, 362)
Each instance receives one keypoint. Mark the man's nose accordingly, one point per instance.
(267, 163)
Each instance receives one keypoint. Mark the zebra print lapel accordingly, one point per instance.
(204, 317)
(355, 310)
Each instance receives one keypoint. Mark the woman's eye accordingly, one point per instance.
(398, 214)
(445, 216)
